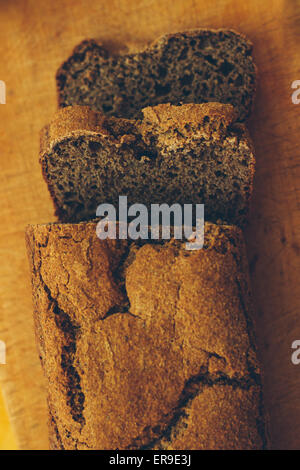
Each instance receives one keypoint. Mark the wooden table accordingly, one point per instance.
(35, 37)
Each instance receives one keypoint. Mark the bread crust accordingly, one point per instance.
(82, 120)
(72, 120)
(146, 346)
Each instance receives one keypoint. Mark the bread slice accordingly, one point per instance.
(177, 154)
(146, 345)
(190, 67)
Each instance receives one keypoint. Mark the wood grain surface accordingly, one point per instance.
(7, 438)
(35, 37)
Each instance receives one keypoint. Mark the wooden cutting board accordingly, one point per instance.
(35, 37)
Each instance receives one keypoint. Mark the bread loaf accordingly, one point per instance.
(185, 154)
(144, 345)
(189, 67)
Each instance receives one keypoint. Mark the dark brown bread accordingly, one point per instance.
(177, 154)
(146, 346)
(189, 67)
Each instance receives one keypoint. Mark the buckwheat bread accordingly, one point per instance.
(189, 67)
(194, 153)
(146, 346)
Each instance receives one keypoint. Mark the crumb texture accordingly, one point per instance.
(189, 67)
(189, 154)
(146, 346)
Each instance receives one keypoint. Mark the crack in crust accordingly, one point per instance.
(75, 397)
(192, 389)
